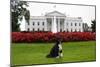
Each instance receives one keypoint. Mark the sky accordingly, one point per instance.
(86, 12)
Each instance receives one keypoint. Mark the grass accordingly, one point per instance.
(34, 53)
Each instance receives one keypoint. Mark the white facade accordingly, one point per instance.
(55, 21)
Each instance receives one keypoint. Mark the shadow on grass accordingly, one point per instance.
(58, 60)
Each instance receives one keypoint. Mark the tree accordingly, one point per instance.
(14, 21)
(18, 10)
(93, 26)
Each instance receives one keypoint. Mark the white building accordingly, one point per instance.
(55, 21)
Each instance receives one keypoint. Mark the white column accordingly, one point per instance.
(54, 25)
(64, 24)
(58, 24)
(51, 24)
(45, 23)
(81, 27)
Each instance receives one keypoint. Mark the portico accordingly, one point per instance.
(56, 18)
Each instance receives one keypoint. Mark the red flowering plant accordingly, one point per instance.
(51, 37)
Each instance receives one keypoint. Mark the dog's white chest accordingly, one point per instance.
(60, 47)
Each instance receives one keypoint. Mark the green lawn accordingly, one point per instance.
(34, 53)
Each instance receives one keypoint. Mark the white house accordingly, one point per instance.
(55, 21)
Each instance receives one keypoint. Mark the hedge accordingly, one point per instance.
(29, 37)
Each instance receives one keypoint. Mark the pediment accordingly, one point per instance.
(55, 13)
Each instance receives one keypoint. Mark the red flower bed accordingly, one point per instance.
(50, 37)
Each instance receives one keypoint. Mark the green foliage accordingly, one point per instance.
(93, 26)
(27, 15)
(14, 20)
(18, 10)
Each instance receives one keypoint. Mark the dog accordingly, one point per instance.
(56, 51)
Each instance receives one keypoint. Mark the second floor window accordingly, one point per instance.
(75, 24)
(42, 23)
(38, 23)
(28, 23)
(71, 24)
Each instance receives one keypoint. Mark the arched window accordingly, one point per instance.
(75, 24)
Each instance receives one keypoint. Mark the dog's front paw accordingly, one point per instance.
(61, 55)
(57, 57)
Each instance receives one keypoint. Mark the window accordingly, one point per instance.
(38, 23)
(67, 24)
(38, 29)
(79, 30)
(75, 30)
(71, 30)
(33, 29)
(33, 23)
(60, 30)
(67, 30)
(28, 23)
(43, 29)
(71, 24)
(28, 29)
(75, 24)
(79, 24)
(42, 23)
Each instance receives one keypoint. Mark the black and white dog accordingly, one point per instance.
(56, 51)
